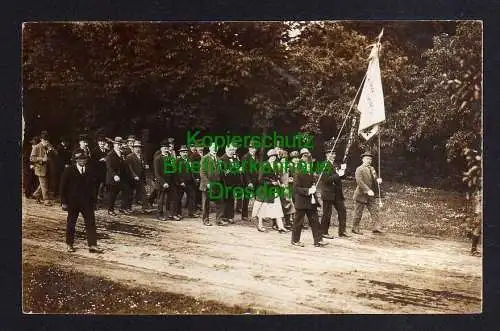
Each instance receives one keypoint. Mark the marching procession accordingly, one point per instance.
(93, 176)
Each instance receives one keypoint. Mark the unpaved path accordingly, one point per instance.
(236, 265)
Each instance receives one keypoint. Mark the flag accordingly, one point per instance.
(371, 101)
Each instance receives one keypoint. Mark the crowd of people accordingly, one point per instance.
(92, 176)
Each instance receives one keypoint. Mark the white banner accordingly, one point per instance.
(371, 101)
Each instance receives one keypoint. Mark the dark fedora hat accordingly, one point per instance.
(164, 143)
(183, 148)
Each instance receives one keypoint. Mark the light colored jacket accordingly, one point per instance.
(38, 154)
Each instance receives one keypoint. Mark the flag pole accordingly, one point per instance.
(343, 124)
(379, 174)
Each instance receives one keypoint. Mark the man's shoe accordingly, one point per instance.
(177, 218)
(357, 232)
(305, 227)
(345, 235)
(221, 223)
(298, 244)
(70, 248)
(320, 244)
(162, 218)
(475, 253)
(230, 220)
(207, 223)
(170, 218)
(48, 203)
(377, 231)
(327, 236)
(111, 212)
(129, 211)
(122, 211)
(194, 215)
(95, 249)
(246, 219)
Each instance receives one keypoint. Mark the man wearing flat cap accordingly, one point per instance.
(137, 171)
(332, 195)
(186, 182)
(250, 176)
(165, 183)
(306, 201)
(78, 196)
(117, 177)
(100, 154)
(39, 158)
(231, 177)
(364, 195)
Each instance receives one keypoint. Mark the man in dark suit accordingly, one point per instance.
(62, 161)
(117, 177)
(163, 166)
(77, 196)
(250, 176)
(364, 194)
(330, 187)
(136, 166)
(231, 177)
(187, 181)
(306, 201)
(210, 173)
(100, 154)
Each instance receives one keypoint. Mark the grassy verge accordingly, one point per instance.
(49, 289)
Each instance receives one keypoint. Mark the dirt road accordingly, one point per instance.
(236, 265)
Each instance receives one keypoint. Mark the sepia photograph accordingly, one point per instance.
(252, 167)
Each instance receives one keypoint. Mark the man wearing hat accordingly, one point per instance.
(29, 178)
(330, 187)
(137, 167)
(116, 177)
(100, 154)
(83, 146)
(77, 196)
(186, 182)
(231, 177)
(164, 183)
(364, 195)
(306, 202)
(129, 148)
(250, 176)
(209, 173)
(39, 158)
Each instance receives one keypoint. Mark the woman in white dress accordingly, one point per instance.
(269, 205)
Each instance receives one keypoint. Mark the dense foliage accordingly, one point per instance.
(254, 77)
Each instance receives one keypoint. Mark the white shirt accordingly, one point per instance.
(81, 169)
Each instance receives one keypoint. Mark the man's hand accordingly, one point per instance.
(312, 190)
(370, 193)
(44, 159)
(165, 185)
(341, 172)
(102, 159)
(250, 185)
(146, 166)
(183, 184)
(379, 180)
(116, 178)
(343, 166)
(64, 207)
(208, 185)
(136, 178)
